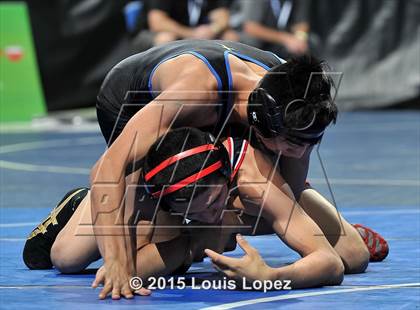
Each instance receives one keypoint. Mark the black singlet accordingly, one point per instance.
(128, 86)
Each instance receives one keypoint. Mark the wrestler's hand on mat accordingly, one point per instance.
(250, 266)
(123, 288)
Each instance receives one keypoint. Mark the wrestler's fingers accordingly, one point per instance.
(95, 283)
(227, 272)
(116, 292)
(105, 290)
(126, 292)
(99, 279)
(143, 292)
(243, 243)
(221, 259)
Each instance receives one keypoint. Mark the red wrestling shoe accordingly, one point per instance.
(376, 244)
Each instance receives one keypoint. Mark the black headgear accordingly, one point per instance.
(267, 116)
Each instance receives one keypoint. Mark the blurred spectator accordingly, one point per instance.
(277, 25)
(163, 21)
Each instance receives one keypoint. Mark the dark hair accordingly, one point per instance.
(175, 142)
(289, 81)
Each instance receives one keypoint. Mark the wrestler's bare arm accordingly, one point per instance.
(107, 176)
(319, 265)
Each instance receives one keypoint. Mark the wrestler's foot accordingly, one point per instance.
(376, 244)
(36, 253)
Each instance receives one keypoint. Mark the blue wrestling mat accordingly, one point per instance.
(373, 163)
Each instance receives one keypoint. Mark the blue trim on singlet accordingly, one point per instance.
(198, 55)
(229, 73)
(213, 71)
(253, 60)
(242, 56)
(227, 109)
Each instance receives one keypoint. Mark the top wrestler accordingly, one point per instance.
(202, 84)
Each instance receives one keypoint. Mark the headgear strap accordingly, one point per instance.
(187, 181)
(177, 157)
(191, 179)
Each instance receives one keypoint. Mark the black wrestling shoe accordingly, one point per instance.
(36, 253)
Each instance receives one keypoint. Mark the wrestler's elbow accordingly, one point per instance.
(95, 179)
(93, 173)
(97, 171)
(108, 168)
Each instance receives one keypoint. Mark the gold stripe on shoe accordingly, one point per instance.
(52, 218)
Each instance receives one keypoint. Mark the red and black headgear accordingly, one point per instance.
(219, 163)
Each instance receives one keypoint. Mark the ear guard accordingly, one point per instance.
(268, 118)
(222, 165)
